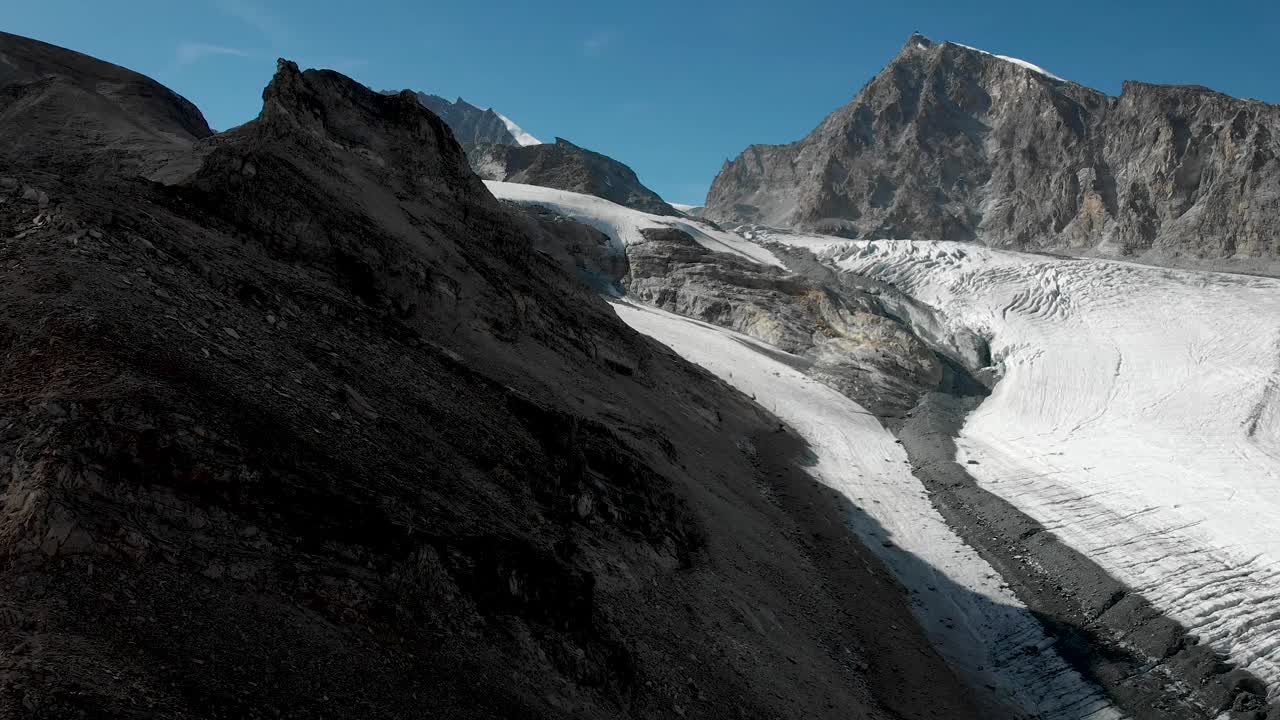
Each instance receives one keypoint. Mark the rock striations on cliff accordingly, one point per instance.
(320, 428)
(952, 143)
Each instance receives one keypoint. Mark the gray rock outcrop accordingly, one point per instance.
(841, 335)
(566, 166)
(952, 143)
(470, 125)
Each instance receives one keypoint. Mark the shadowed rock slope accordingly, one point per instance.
(470, 124)
(565, 166)
(63, 109)
(319, 432)
(952, 143)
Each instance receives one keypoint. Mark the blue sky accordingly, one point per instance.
(671, 88)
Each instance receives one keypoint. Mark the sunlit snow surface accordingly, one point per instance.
(517, 132)
(1015, 61)
(1138, 418)
(623, 224)
(961, 602)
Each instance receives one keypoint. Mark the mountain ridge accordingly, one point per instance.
(322, 429)
(948, 142)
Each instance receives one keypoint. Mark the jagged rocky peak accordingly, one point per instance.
(917, 42)
(473, 125)
(953, 143)
(335, 119)
(327, 405)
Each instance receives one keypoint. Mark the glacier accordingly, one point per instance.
(962, 604)
(1137, 418)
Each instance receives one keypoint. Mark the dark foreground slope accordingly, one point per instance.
(951, 143)
(317, 433)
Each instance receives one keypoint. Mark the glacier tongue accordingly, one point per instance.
(971, 616)
(1138, 419)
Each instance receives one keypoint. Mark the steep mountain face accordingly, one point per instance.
(952, 143)
(566, 166)
(60, 108)
(474, 126)
(322, 429)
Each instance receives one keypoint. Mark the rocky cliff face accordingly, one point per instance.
(324, 430)
(843, 336)
(566, 166)
(471, 125)
(948, 142)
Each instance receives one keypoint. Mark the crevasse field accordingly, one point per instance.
(1137, 417)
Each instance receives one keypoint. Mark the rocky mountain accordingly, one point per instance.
(565, 166)
(60, 108)
(953, 143)
(474, 126)
(321, 429)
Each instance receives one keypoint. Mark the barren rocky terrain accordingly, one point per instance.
(952, 143)
(318, 428)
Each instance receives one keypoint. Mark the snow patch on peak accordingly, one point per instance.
(517, 132)
(1016, 61)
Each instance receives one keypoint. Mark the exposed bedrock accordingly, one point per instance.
(952, 143)
(842, 335)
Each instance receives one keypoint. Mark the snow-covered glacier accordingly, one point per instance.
(965, 608)
(964, 605)
(1138, 418)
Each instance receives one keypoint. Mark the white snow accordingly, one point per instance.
(623, 224)
(683, 207)
(517, 132)
(793, 238)
(1138, 419)
(969, 614)
(1015, 61)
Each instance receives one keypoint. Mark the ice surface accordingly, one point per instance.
(960, 601)
(1138, 419)
(517, 132)
(622, 224)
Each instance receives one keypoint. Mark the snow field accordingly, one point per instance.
(974, 620)
(1138, 418)
(623, 224)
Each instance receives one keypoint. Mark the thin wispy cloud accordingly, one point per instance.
(188, 53)
(596, 44)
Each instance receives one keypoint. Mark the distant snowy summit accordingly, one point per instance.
(500, 150)
(949, 142)
(522, 138)
(472, 125)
